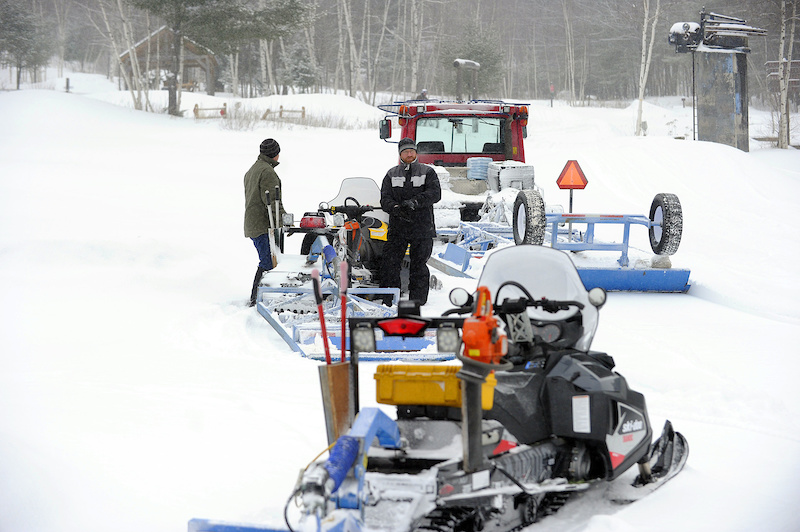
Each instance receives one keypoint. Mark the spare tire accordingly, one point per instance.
(667, 213)
(529, 219)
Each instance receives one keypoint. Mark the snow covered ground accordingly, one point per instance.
(137, 392)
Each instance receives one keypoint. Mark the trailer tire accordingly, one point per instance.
(529, 218)
(666, 211)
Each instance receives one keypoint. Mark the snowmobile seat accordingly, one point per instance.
(517, 405)
(430, 146)
(493, 147)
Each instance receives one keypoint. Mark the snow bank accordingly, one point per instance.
(137, 391)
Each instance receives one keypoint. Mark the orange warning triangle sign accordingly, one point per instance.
(572, 177)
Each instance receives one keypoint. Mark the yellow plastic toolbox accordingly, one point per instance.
(425, 384)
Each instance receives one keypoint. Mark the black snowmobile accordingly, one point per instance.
(530, 417)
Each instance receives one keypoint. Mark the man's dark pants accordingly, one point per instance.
(418, 274)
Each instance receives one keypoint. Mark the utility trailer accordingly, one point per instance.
(531, 225)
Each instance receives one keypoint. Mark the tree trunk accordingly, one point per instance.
(267, 72)
(181, 54)
(570, 52)
(61, 10)
(584, 69)
(373, 87)
(393, 83)
(234, 61)
(146, 76)
(311, 46)
(417, 13)
(785, 57)
(340, 74)
(403, 16)
(262, 66)
(647, 54)
(126, 75)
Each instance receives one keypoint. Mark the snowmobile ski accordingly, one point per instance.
(667, 456)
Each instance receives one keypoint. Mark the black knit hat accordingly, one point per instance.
(270, 148)
(406, 144)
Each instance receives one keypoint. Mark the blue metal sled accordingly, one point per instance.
(633, 280)
(205, 525)
(473, 239)
(302, 333)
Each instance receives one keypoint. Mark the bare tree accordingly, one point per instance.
(116, 26)
(373, 70)
(61, 12)
(785, 58)
(647, 55)
(570, 50)
(309, 32)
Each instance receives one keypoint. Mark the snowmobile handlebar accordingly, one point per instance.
(459, 310)
(466, 302)
(351, 211)
(354, 211)
(515, 306)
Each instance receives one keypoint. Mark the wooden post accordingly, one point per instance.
(335, 386)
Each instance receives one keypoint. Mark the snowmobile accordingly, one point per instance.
(530, 417)
(355, 227)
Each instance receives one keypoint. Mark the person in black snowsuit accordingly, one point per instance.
(408, 193)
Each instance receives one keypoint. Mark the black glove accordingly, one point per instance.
(400, 212)
(410, 204)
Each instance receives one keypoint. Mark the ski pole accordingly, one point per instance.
(318, 297)
(278, 227)
(343, 282)
(271, 234)
(269, 209)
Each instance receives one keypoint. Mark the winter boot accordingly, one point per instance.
(256, 282)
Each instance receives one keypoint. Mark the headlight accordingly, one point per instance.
(362, 338)
(447, 338)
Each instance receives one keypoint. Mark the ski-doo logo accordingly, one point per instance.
(632, 426)
(632, 421)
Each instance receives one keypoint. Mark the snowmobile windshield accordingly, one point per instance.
(460, 134)
(545, 273)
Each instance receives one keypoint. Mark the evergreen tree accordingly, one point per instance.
(221, 25)
(298, 68)
(483, 47)
(23, 42)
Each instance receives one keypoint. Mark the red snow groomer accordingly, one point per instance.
(448, 133)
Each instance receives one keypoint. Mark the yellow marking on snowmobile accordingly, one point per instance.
(379, 233)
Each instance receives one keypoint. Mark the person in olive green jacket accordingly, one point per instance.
(260, 183)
